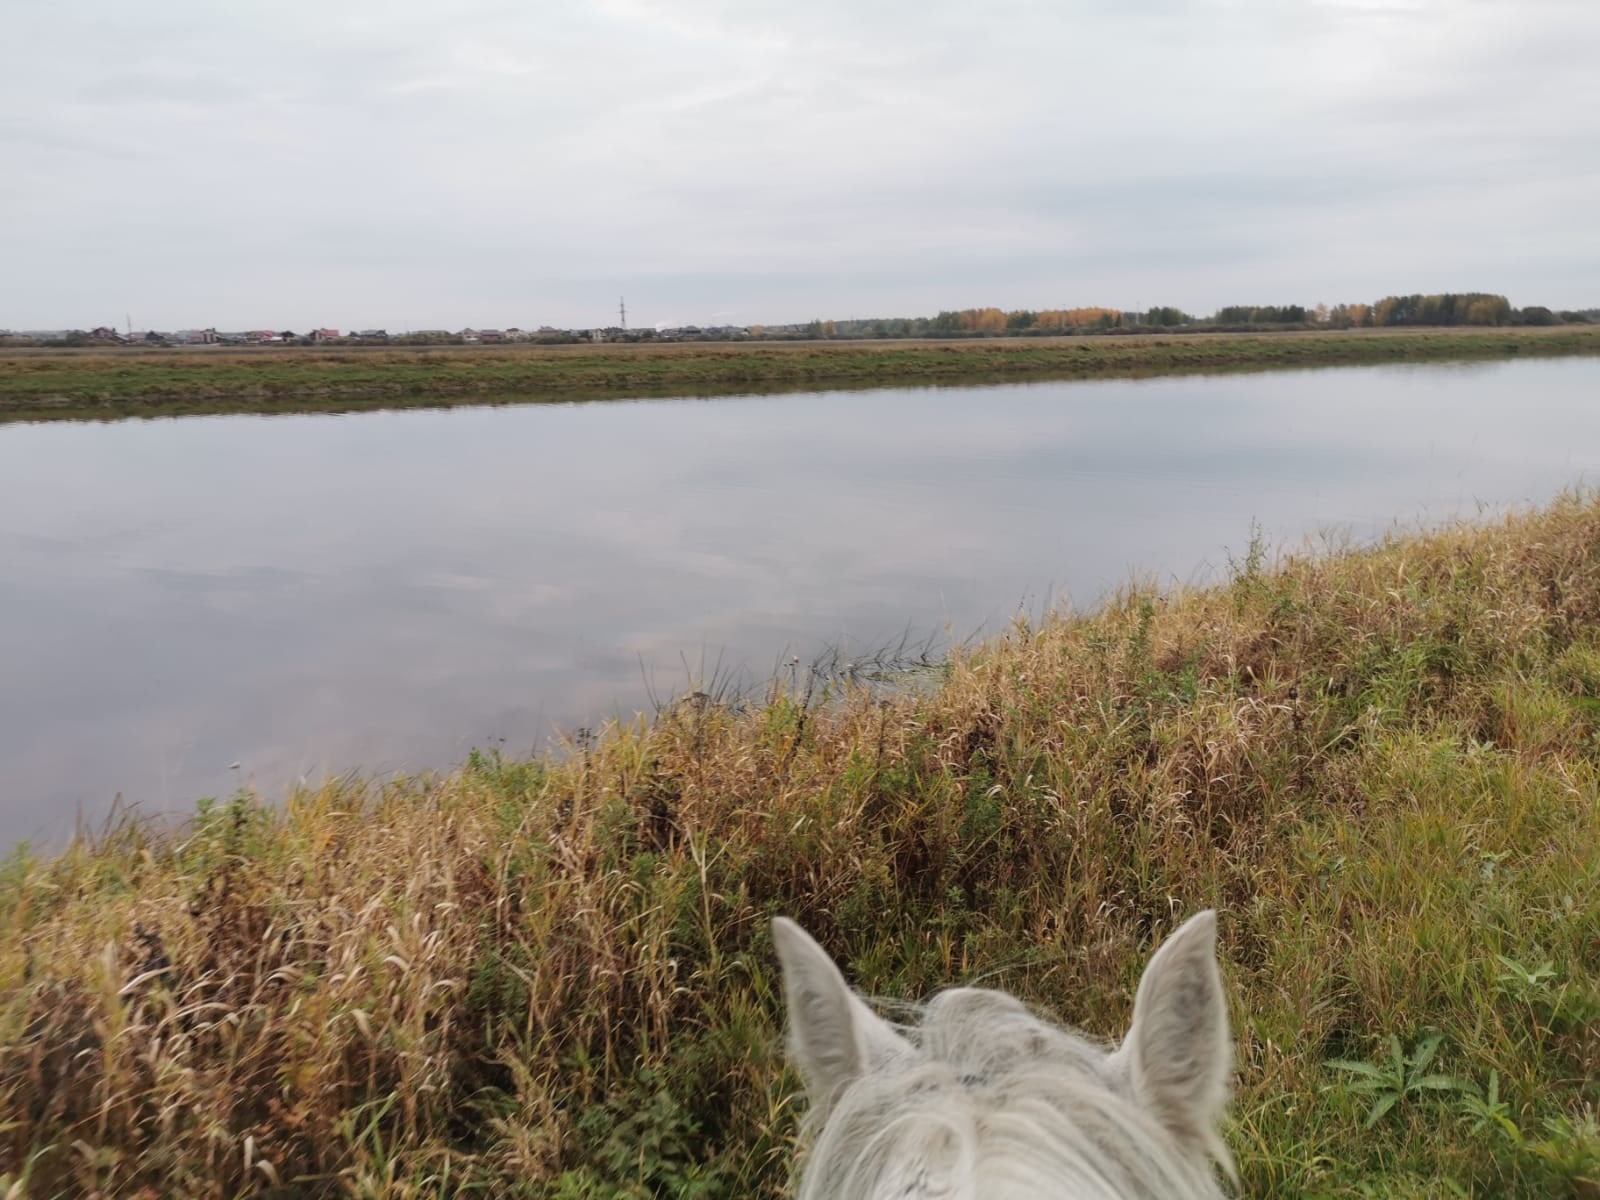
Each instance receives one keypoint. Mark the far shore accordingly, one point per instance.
(93, 383)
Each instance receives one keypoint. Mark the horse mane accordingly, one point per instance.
(977, 1098)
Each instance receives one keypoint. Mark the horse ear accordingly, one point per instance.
(1178, 1051)
(833, 1036)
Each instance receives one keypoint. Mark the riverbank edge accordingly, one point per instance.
(37, 385)
(552, 979)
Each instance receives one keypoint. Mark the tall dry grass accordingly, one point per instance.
(552, 978)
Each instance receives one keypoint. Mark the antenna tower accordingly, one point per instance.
(622, 311)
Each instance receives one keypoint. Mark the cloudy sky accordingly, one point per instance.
(412, 165)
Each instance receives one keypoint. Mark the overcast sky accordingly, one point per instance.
(413, 165)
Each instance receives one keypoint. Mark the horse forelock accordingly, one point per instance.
(989, 1093)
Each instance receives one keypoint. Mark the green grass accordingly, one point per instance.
(110, 383)
(553, 978)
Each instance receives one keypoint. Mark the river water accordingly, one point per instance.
(384, 591)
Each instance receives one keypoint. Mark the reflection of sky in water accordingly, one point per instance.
(386, 590)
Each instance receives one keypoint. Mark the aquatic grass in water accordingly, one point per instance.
(553, 978)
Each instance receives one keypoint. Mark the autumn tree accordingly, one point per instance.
(1083, 318)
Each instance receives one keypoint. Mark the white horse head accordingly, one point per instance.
(982, 1100)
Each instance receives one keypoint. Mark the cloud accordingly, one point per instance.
(490, 163)
(153, 88)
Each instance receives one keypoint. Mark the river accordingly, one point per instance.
(383, 591)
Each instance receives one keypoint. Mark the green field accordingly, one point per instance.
(37, 384)
(553, 978)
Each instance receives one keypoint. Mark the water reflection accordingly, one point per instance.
(385, 590)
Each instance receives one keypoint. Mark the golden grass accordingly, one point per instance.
(552, 978)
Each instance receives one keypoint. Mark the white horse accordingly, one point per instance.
(984, 1101)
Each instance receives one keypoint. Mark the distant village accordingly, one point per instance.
(105, 335)
(1417, 309)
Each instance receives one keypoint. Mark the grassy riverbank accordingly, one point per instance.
(123, 382)
(553, 979)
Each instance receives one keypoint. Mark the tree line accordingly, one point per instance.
(1438, 309)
